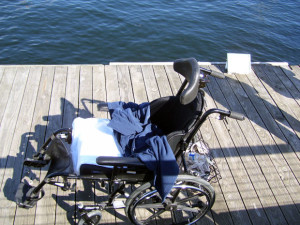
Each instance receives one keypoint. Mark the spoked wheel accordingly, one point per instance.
(188, 201)
(91, 218)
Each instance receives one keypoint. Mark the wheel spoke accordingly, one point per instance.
(188, 209)
(188, 199)
(177, 192)
(154, 215)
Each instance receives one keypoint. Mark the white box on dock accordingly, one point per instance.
(238, 63)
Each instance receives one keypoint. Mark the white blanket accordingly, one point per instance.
(92, 138)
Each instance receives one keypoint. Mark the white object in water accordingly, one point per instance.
(238, 63)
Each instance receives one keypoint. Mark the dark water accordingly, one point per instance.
(101, 31)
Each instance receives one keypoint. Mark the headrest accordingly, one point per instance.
(188, 68)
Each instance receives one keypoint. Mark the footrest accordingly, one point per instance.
(35, 163)
(25, 197)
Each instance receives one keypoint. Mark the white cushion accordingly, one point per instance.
(92, 138)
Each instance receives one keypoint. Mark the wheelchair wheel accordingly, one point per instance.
(91, 218)
(189, 200)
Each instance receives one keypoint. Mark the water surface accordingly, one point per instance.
(102, 31)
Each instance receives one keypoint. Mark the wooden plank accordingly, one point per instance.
(235, 163)
(228, 185)
(126, 95)
(175, 83)
(140, 95)
(45, 212)
(65, 209)
(36, 137)
(99, 90)
(10, 116)
(256, 178)
(281, 97)
(12, 171)
(262, 173)
(225, 189)
(260, 120)
(112, 85)
(85, 188)
(164, 90)
(112, 95)
(283, 124)
(125, 87)
(288, 85)
(5, 88)
(162, 81)
(138, 84)
(150, 83)
(174, 79)
(271, 125)
(99, 94)
(293, 74)
(1, 73)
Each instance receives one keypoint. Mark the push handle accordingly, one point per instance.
(217, 74)
(237, 116)
(212, 73)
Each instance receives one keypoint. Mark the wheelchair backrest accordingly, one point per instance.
(177, 115)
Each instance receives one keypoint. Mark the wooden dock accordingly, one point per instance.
(258, 158)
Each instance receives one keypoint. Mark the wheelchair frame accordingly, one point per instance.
(131, 170)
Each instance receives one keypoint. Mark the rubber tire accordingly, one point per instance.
(90, 215)
(181, 177)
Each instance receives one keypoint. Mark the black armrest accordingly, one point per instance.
(102, 106)
(119, 161)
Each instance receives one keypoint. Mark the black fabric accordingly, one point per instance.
(60, 157)
(170, 115)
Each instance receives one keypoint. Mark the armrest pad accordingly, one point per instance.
(102, 106)
(119, 161)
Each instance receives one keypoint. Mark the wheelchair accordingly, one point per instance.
(179, 117)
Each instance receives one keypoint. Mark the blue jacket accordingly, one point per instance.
(139, 138)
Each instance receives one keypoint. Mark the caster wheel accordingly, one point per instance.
(91, 218)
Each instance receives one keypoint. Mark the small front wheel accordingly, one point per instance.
(91, 218)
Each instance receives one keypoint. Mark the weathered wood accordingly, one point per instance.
(125, 87)
(150, 83)
(174, 79)
(65, 209)
(175, 83)
(228, 185)
(5, 87)
(271, 125)
(10, 116)
(288, 85)
(47, 205)
(281, 97)
(139, 94)
(138, 85)
(1, 73)
(99, 94)
(85, 188)
(99, 90)
(260, 121)
(293, 74)
(162, 81)
(258, 158)
(258, 166)
(36, 136)
(14, 165)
